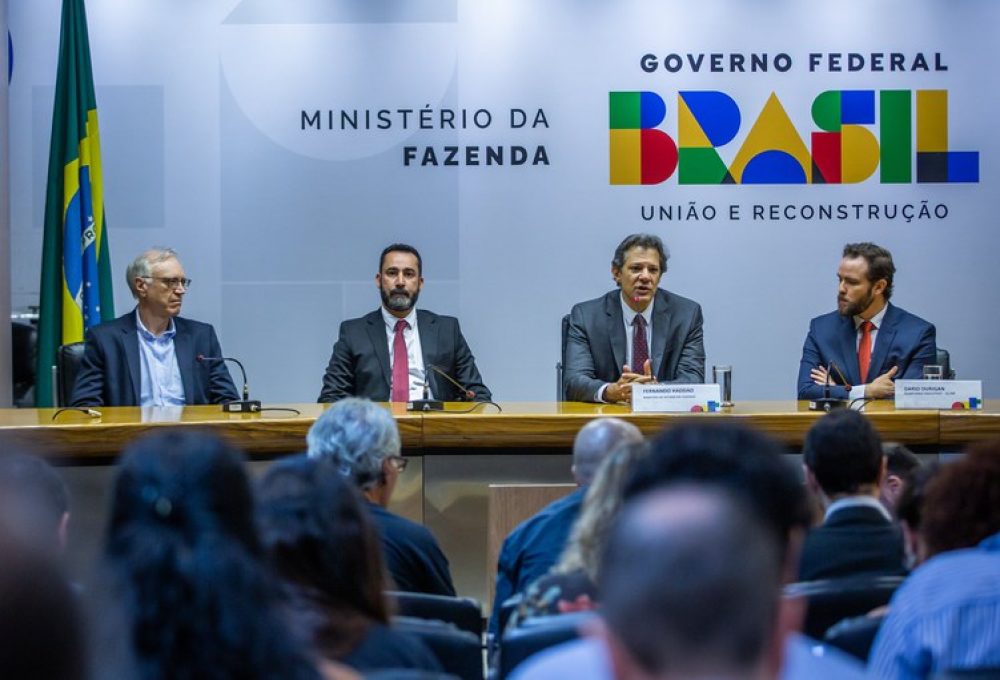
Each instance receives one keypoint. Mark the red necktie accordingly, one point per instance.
(865, 349)
(640, 349)
(400, 364)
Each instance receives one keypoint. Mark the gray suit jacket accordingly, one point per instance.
(595, 346)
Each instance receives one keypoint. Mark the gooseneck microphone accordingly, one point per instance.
(826, 402)
(425, 404)
(246, 405)
(468, 395)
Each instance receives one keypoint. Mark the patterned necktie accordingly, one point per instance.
(865, 349)
(400, 364)
(640, 349)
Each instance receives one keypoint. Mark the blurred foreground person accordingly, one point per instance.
(187, 594)
(322, 543)
(34, 502)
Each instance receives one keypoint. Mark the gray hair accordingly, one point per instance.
(142, 266)
(356, 435)
(596, 440)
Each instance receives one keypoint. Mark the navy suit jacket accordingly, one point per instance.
(595, 345)
(904, 340)
(413, 557)
(359, 365)
(110, 375)
(854, 540)
(533, 547)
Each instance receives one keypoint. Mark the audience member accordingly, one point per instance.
(321, 542)
(34, 502)
(946, 615)
(187, 594)
(533, 547)
(41, 632)
(571, 585)
(909, 512)
(361, 440)
(900, 465)
(845, 466)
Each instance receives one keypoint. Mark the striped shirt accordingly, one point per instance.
(945, 616)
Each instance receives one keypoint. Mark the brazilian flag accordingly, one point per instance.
(76, 268)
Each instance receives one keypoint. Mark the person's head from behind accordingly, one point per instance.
(742, 460)
(962, 501)
(319, 539)
(34, 501)
(691, 585)
(361, 440)
(595, 441)
(843, 456)
(900, 465)
(600, 507)
(183, 560)
(910, 510)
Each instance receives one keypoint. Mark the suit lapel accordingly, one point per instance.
(130, 347)
(428, 330)
(661, 332)
(376, 333)
(615, 327)
(184, 354)
(849, 351)
(883, 341)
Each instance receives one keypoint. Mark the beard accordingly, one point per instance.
(399, 300)
(848, 308)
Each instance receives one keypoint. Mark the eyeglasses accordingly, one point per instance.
(173, 283)
(398, 462)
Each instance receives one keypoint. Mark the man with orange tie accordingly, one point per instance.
(867, 343)
(398, 353)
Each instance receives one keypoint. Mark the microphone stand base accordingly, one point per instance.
(827, 404)
(425, 405)
(242, 407)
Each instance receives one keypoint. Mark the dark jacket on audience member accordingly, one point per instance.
(384, 648)
(853, 540)
(533, 547)
(413, 557)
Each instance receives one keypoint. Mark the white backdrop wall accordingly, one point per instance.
(210, 141)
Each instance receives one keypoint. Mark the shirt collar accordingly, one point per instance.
(857, 502)
(146, 334)
(390, 320)
(876, 320)
(629, 314)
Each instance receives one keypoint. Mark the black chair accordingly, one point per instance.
(23, 339)
(459, 652)
(968, 674)
(832, 600)
(464, 613)
(68, 359)
(537, 634)
(944, 361)
(855, 635)
(561, 364)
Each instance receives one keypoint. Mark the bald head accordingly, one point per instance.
(595, 441)
(691, 583)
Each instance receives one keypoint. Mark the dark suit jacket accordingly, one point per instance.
(359, 365)
(110, 375)
(854, 540)
(413, 557)
(904, 340)
(533, 547)
(595, 346)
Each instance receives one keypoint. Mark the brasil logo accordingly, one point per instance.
(844, 149)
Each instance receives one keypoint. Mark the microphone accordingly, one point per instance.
(246, 405)
(468, 395)
(826, 402)
(425, 404)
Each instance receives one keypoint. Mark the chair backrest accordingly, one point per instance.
(23, 339)
(464, 613)
(944, 361)
(832, 600)
(459, 652)
(561, 366)
(508, 505)
(855, 635)
(537, 634)
(68, 359)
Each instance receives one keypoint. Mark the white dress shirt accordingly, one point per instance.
(858, 391)
(414, 355)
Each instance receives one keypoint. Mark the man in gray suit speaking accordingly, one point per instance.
(639, 333)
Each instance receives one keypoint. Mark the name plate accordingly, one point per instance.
(939, 394)
(661, 398)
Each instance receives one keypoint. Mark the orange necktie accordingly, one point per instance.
(865, 349)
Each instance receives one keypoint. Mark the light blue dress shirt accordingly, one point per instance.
(161, 383)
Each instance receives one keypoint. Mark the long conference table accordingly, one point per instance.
(454, 455)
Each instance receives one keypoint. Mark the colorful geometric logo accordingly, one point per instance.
(972, 404)
(845, 150)
(710, 407)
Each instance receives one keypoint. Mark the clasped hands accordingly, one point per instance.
(881, 387)
(621, 389)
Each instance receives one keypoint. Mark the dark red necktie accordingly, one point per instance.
(865, 349)
(640, 348)
(400, 364)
